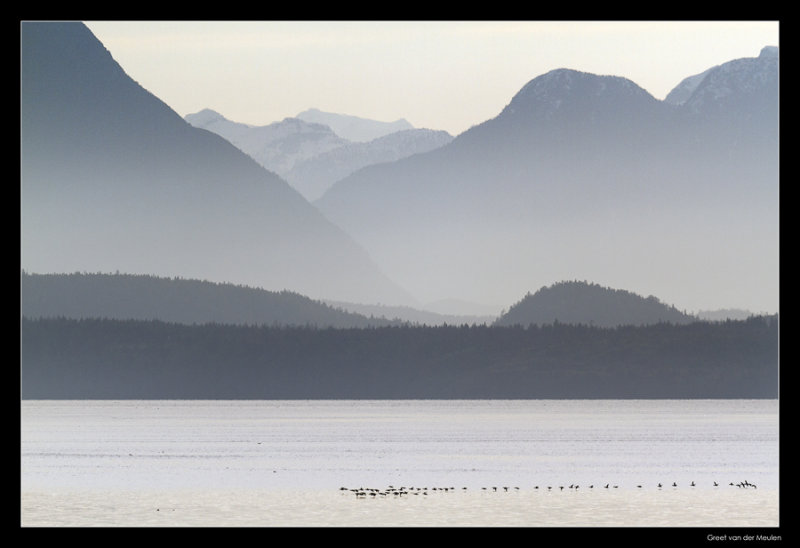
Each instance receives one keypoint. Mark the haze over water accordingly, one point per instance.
(284, 463)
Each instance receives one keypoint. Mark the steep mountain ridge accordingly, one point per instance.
(577, 175)
(314, 176)
(738, 82)
(680, 93)
(112, 179)
(310, 156)
(278, 146)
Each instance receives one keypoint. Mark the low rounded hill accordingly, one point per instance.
(590, 304)
(176, 300)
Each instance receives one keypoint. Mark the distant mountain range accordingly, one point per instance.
(312, 156)
(587, 176)
(278, 146)
(112, 179)
(314, 176)
(590, 304)
(579, 176)
(354, 128)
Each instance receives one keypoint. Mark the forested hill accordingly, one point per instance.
(590, 304)
(141, 297)
(109, 359)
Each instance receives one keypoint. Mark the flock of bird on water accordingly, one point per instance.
(364, 492)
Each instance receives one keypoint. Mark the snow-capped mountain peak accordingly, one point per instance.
(735, 80)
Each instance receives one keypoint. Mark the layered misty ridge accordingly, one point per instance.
(112, 179)
(315, 149)
(579, 176)
(587, 176)
(175, 300)
(195, 302)
(234, 285)
(114, 336)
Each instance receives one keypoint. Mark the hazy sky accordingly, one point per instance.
(438, 75)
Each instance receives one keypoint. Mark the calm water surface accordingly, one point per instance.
(459, 463)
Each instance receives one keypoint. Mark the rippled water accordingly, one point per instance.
(285, 463)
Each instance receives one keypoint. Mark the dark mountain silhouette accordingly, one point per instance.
(587, 176)
(175, 300)
(112, 179)
(111, 359)
(590, 304)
